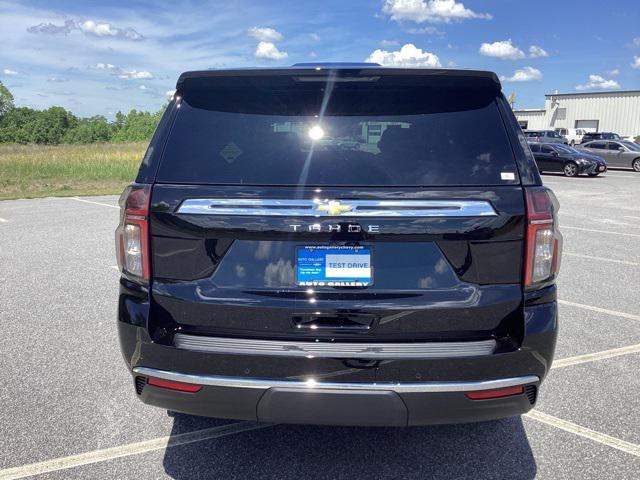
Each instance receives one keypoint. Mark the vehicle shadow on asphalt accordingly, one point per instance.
(498, 449)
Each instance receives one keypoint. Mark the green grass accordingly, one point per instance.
(29, 171)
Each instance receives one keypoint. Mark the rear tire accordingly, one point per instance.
(570, 169)
(636, 164)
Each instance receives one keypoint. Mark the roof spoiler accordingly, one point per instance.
(199, 78)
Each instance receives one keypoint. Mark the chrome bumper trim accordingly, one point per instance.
(367, 351)
(335, 208)
(311, 384)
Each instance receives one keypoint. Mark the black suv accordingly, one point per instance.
(328, 244)
(590, 136)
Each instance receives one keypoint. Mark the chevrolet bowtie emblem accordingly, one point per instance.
(334, 208)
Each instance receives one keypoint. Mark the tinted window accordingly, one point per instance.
(613, 146)
(547, 150)
(631, 146)
(367, 136)
(596, 145)
(535, 147)
(564, 148)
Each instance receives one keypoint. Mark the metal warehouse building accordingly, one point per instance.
(617, 112)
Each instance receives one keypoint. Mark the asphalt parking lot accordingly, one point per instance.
(68, 409)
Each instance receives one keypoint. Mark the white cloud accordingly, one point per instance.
(407, 56)
(432, 11)
(536, 52)
(6, 71)
(636, 63)
(170, 94)
(107, 30)
(636, 42)
(503, 50)
(88, 27)
(525, 74)
(121, 72)
(142, 87)
(314, 36)
(265, 34)
(135, 75)
(615, 71)
(596, 81)
(51, 29)
(270, 51)
(103, 66)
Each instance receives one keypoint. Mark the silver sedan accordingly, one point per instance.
(617, 153)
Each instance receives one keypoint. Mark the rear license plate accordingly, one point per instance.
(342, 266)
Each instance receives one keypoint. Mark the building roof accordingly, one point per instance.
(608, 92)
(528, 110)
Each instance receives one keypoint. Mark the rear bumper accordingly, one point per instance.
(337, 403)
(400, 391)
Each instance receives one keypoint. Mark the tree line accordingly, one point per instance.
(57, 125)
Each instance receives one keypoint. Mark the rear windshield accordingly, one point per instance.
(339, 134)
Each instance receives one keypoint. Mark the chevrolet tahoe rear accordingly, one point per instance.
(339, 244)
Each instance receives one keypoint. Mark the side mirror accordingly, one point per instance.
(554, 154)
(621, 149)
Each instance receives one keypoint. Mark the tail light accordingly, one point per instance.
(544, 241)
(132, 234)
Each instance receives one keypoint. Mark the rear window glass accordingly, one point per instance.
(339, 135)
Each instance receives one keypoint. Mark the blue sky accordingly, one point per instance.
(96, 58)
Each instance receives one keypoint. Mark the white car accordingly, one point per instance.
(573, 135)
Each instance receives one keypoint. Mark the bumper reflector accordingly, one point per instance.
(497, 393)
(177, 386)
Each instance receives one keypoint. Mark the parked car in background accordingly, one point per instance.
(554, 157)
(573, 135)
(620, 154)
(544, 136)
(417, 288)
(589, 136)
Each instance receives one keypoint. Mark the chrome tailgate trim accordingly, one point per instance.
(336, 208)
(370, 351)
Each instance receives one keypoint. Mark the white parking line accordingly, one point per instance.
(615, 313)
(565, 227)
(92, 202)
(115, 267)
(592, 357)
(602, 259)
(585, 432)
(137, 448)
(2, 220)
(629, 216)
(621, 176)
